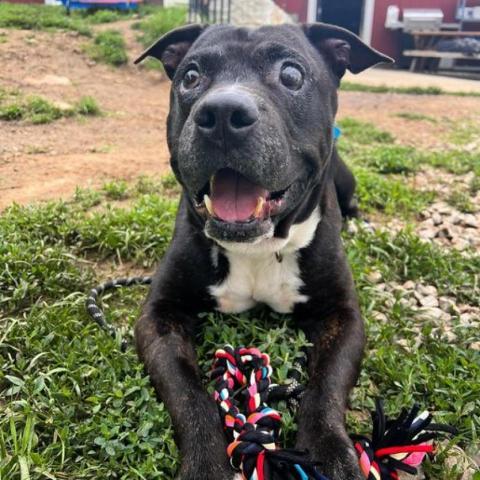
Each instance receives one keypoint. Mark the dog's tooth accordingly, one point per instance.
(259, 208)
(208, 204)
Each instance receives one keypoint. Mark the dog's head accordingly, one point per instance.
(251, 119)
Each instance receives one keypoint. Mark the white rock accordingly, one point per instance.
(409, 285)
(427, 233)
(429, 313)
(469, 220)
(429, 301)
(403, 342)
(427, 290)
(374, 277)
(475, 346)
(352, 228)
(379, 316)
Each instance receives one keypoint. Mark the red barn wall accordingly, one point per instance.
(299, 8)
(389, 41)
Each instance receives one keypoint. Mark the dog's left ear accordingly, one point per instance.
(343, 49)
(173, 46)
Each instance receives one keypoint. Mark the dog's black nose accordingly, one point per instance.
(226, 115)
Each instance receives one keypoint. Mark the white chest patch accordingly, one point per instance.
(256, 276)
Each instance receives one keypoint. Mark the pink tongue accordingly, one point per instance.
(234, 198)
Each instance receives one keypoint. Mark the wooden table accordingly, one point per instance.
(425, 42)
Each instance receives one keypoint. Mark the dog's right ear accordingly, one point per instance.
(173, 46)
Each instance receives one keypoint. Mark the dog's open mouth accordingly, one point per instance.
(232, 198)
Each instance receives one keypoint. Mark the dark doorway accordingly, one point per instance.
(209, 11)
(344, 13)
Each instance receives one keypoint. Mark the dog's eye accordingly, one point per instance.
(191, 79)
(291, 76)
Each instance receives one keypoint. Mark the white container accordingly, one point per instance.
(422, 19)
(392, 20)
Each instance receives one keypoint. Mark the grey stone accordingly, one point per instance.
(437, 219)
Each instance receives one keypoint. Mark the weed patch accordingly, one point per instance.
(40, 17)
(415, 117)
(379, 166)
(388, 194)
(387, 159)
(461, 201)
(117, 190)
(454, 161)
(363, 133)
(38, 110)
(108, 47)
(160, 22)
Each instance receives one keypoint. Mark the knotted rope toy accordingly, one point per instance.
(397, 445)
(242, 382)
(253, 435)
(242, 379)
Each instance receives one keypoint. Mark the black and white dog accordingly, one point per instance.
(250, 136)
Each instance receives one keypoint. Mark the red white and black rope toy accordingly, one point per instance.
(242, 382)
(242, 379)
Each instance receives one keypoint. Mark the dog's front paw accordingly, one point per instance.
(336, 458)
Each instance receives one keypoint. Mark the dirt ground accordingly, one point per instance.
(48, 161)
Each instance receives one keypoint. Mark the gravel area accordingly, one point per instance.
(449, 227)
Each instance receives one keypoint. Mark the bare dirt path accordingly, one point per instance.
(39, 162)
(48, 161)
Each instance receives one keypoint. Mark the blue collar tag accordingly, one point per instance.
(336, 132)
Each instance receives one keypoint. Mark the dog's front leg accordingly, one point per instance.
(334, 362)
(169, 357)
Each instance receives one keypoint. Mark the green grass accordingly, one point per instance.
(358, 87)
(454, 161)
(389, 195)
(462, 201)
(38, 110)
(76, 407)
(380, 166)
(387, 159)
(40, 17)
(416, 117)
(96, 17)
(87, 106)
(50, 18)
(362, 132)
(108, 47)
(116, 190)
(160, 22)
